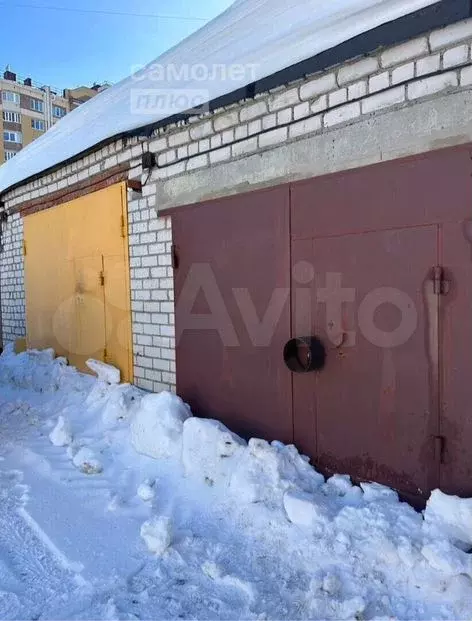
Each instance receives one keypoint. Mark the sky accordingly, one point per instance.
(68, 43)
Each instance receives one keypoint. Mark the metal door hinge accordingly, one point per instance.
(123, 227)
(439, 448)
(24, 249)
(441, 284)
(105, 355)
(174, 257)
(101, 278)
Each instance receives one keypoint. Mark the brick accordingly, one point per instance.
(307, 126)
(152, 352)
(229, 119)
(175, 140)
(165, 158)
(379, 82)
(359, 69)
(169, 378)
(253, 111)
(318, 86)
(466, 76)
(182, 152)
(227, 136)
(357, 90)
(338, 97)
(320, 104)
(144, 384)
(246, 146)
(456, 56)
(301, 110)
(451, 34)
(152, 307)
(403, 73)
(383, 100)
(147, 238)
(254, 127)
(197, 162)
(155, 376)
(215, 141)
(159, 295)
(157, 224)
(162, 365)
(158, 145)
(167, 307)
(275, 136)
(434, 84)
(429, 64)
(269, 121)
(283, 99)
(149, 261)
(156, 248)
(168, 354)
(201, 131)
(405, 51)
(241, 132)
(343, 114)
(284, 116)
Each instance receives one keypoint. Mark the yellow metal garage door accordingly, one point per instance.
(77, 279)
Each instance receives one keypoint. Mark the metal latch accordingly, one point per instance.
(101, 278)
(441, 285)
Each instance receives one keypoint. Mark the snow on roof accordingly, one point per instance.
(249, 41)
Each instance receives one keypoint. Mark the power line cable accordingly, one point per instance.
(100, 12)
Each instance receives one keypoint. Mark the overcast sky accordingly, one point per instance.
(85, 43)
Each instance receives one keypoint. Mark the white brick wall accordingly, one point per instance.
(152, 294)
(12, 281)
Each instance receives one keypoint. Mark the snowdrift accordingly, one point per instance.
(359, 551)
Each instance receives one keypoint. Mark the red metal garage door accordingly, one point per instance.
(392, 403)
(372, 238)
(232, 291)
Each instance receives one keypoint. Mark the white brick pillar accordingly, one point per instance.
(12, 283)
(152, 294)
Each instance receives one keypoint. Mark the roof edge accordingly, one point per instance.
(439, 15)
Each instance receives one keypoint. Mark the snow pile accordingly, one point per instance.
(40, 371)
(105, 372)
(86, 461)
(239, 529)
(61, 435)
(450, 515)
(210, 450)
(146, 490)
(157, 424)
(157, 534)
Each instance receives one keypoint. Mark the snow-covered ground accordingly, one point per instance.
(116, 504)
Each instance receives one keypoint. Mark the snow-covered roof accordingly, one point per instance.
(251, 40)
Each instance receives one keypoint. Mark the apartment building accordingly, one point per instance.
(27, 110)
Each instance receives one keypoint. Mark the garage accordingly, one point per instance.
(77, 279)
(375, 263)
